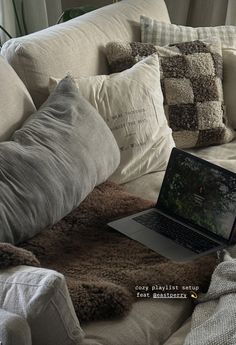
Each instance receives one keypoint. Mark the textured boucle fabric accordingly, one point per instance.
(213, 320)
(191, 79)
(102, 266)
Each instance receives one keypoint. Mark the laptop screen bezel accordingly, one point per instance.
(167, 212)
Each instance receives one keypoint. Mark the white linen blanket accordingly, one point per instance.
(214, 318)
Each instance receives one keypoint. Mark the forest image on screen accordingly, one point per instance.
(201, 194)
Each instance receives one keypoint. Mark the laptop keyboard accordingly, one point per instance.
(176, 232)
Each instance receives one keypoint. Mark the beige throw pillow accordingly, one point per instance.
(16, 103)
(131, 103)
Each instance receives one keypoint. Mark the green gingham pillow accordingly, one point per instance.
(161, 34)
(191, 78)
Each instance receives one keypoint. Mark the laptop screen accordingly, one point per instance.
(200, 193)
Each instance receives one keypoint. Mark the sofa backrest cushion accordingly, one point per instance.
(16, 102)
(77, 46)
(52, 163)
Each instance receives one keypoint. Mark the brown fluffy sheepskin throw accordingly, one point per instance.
(101, 266)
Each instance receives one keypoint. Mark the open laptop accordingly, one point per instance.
(195, 213)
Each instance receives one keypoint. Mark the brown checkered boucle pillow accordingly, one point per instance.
(191, 78)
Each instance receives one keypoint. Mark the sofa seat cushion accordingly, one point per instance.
(223, 155)
(41, 297)
(149, 322)
(179, 336)
(148, 186)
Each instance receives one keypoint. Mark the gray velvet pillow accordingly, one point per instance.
(52, 163)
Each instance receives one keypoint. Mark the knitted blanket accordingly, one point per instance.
(102, 267)
(213, 320)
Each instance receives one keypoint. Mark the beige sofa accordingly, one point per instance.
(78, 47)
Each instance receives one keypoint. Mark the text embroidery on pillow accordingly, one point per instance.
(131, 103)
